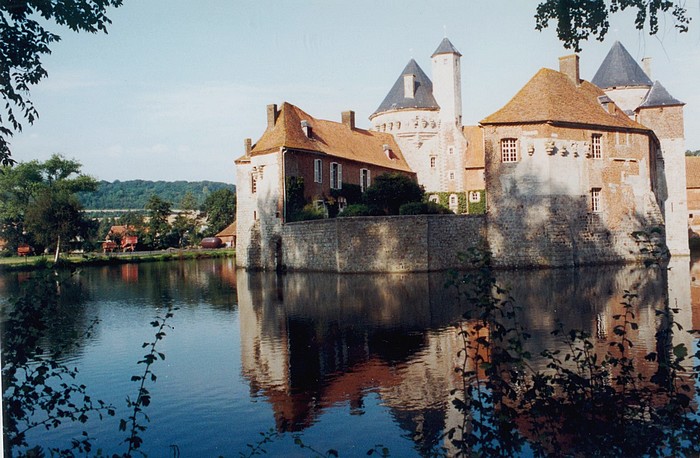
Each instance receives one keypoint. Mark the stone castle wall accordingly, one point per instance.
(419, 243)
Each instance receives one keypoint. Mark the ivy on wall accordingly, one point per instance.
(463, 204)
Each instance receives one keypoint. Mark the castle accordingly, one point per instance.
(569, 168)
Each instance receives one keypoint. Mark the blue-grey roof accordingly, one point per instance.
(423, 98)
(446, 47)
(658, 96)
(620, 69)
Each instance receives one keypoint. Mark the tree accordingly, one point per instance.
(220, 210)
(55, 216)
(48, 189)
(692, 153)
(188, 202)
(391, 190)
(578, 20)
(158, 228)
(24, 39)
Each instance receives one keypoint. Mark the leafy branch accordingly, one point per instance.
(143, 398)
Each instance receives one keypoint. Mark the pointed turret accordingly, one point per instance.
(448, 82)
(412, 90)
(619, 69)
(446, 47)
(658, 96)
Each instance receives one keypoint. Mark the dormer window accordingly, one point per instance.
(306, 128)
(389, 153)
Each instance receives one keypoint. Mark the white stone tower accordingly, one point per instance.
(425, 117)
(447, 82)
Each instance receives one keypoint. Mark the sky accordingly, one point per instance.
(174, 88)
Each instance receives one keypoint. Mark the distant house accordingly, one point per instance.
(331, 160)
(228, 235)
(692, 167)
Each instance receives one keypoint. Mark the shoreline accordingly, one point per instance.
(30, 263)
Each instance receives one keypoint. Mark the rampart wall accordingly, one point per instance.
(419, 243)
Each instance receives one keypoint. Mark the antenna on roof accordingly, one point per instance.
(445, 29)
(410, 50)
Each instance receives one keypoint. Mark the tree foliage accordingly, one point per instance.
(391, 190)
(134, 194)
(220, 210)
(38, 204)
(158, 227)
(578, 20)
(24, 39)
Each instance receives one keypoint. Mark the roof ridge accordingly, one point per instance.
(658, 96)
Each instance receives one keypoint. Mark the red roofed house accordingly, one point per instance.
(326, 155)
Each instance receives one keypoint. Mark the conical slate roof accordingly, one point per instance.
(446, 47)
(423, 97)
(658, 96)
(620, 69)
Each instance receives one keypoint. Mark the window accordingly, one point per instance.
(434, 198)
(342, 203)
(595, 200)
(450, 150)
(364, 179)
(474, 196)
(452, 176)
(318, 171)
(509, 150)
(336, 175)
(596, 146)
(454, 203)
(432, 162)
(253, 183)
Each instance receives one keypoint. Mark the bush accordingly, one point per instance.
(361, 210)
(391, 190)
(310, 211)
(424, 208)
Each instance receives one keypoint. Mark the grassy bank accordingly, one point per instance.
(98, 259)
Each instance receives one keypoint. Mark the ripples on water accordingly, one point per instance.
(349, 361)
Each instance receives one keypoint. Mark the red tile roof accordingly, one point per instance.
(330, 138)
(551, 96)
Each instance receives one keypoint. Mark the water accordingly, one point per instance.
(343, 362)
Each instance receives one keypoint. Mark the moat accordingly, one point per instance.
(345, 362)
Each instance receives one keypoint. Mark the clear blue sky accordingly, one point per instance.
(175, 87)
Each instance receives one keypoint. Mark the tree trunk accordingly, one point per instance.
(58, 249)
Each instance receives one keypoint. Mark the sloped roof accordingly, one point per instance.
(475, 150)
(423, 97)
(692, 172)
(551, 96)
(658, 96)
(329, 137)
(620, 69)
(228, 231)
(445, 47)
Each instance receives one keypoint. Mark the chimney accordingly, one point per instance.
(248, 146)
(568, 65)
(306, 128)
(272, 114)
(409, 86)
(646, 64)
(348, 118)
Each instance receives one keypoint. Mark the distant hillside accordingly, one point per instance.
(134, 194)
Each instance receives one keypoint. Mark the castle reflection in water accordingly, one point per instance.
(312, 341)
